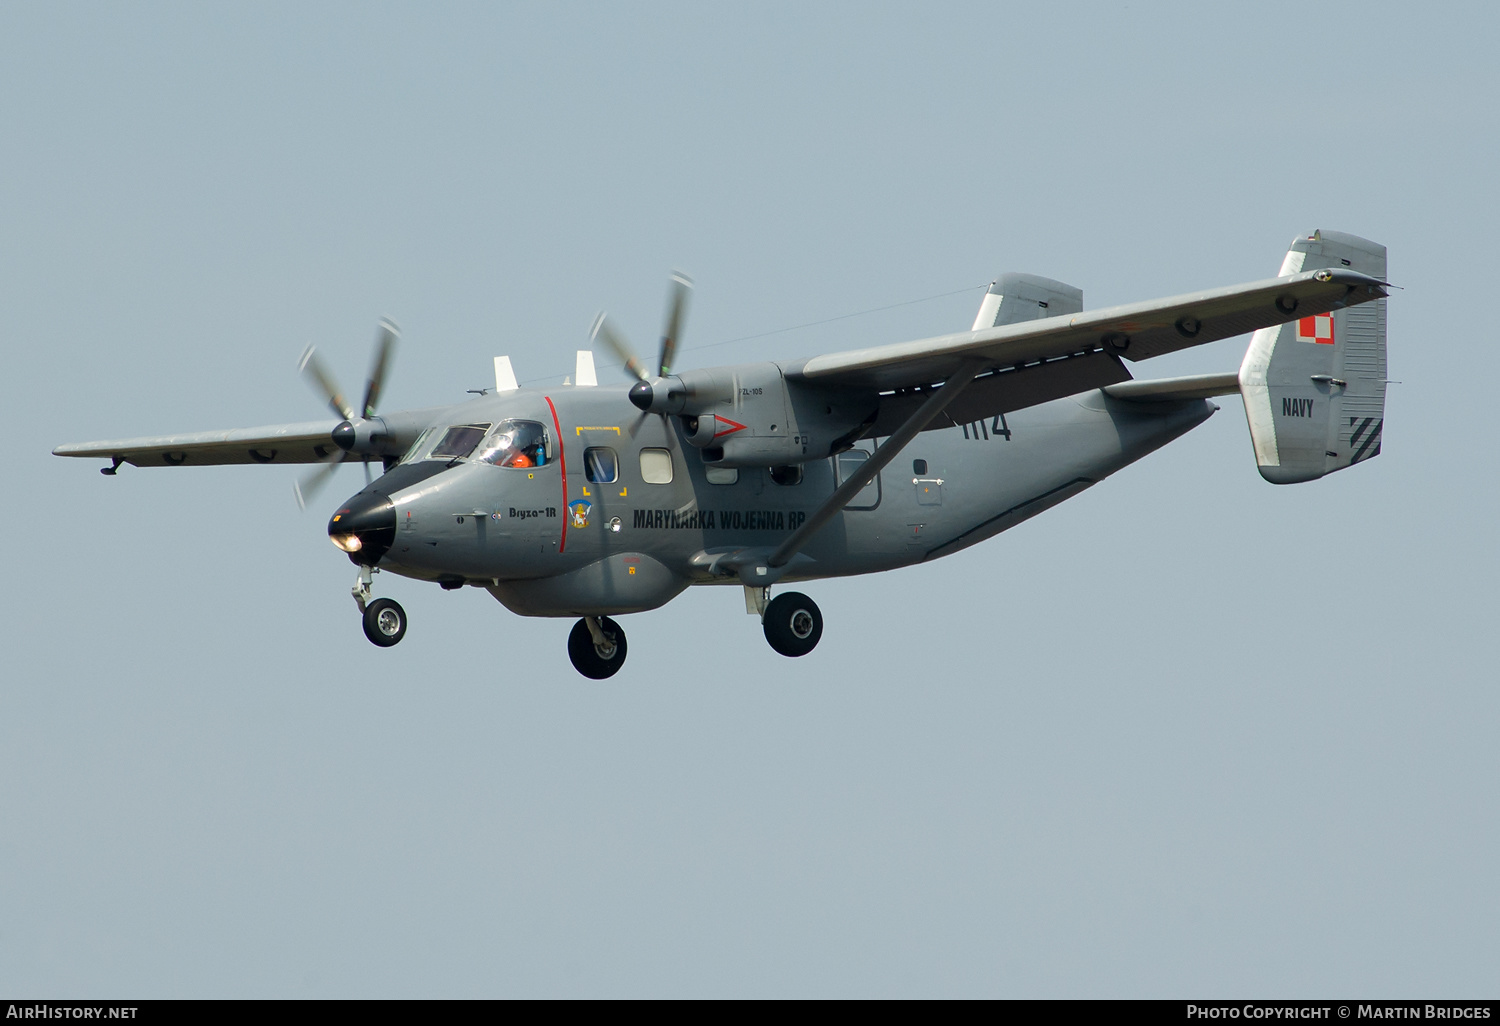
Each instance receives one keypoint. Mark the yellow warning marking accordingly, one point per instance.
(622, 493)
(586, 491)
(631, 569)
(581, 430)
(530, 476)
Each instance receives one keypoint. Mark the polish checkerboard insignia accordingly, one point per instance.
(1317, 329)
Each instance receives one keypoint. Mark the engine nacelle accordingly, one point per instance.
(751, 416)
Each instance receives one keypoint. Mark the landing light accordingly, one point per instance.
(347, 542)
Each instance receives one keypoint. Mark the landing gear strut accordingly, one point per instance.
(361, 589)
(793, 624)
(597, 647)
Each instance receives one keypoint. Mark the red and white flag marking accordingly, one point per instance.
(1318, 329)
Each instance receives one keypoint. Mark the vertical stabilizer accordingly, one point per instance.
(1013, 298)
(1314, 388)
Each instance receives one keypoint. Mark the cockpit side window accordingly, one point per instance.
(515, 443)
(458, 442)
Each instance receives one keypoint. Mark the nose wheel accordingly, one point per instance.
(385, 622)
(597, 647)
(792, 623)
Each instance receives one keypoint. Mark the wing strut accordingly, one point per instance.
(925, 414)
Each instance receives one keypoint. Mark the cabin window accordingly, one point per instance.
(722, 475)
(515, 443)
(600, 465)
(459, 441)
(919, 467)
(850, 463)
(788, 475)
(656, 466)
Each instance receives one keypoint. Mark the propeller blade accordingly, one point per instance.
(318, 376)
(309, 485)
(677, 298)
(385, 345)
(634, 426)
(605, 332)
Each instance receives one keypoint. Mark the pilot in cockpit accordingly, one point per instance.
(515, 443)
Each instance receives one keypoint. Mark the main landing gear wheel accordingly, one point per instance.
(793, 624)
(385, 622)
(598, 648)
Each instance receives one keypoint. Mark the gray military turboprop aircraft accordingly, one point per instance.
(592, 501)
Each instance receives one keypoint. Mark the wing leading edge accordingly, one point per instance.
(1136, 331)
(310, 442)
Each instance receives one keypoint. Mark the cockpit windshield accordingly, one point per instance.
(458, 442)
(515, 443)
(420, 446)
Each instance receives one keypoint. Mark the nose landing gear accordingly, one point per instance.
(384, 619)
(793, 624)
(597, 647)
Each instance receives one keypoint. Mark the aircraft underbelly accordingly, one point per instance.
(977, 480)
(623, 583)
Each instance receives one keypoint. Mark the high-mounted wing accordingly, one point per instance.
(374, 438)
(310, 442)
(360, 434)
(1035, 361)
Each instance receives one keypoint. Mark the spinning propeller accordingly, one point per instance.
(357, 426)
(646, 387)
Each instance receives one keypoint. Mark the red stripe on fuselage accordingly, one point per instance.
(562, 459)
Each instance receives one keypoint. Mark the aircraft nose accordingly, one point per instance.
(365, 528)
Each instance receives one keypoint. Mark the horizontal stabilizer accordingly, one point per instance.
(1194, 386)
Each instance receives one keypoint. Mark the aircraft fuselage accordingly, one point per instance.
(618, 514)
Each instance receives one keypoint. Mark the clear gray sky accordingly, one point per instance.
(1187, 734)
